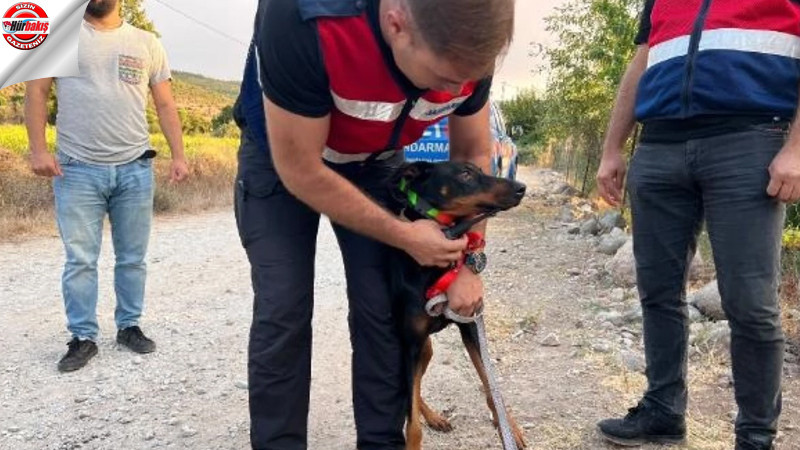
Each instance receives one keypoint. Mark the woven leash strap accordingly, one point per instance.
(506, 434)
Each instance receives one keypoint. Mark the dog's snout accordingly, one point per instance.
(519, 190)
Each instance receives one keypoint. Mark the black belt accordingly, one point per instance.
(148, 154)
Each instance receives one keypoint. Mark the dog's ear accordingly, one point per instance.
(407, 174)
(416, 170)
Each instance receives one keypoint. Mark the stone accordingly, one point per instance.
(551, 340)
(708, 301)
(712, 337)
(611, 219)
(612, 317)
(601, 347)
(633, 315)
(612, 242)
(590, 227)
(719, 339)
(633, 361)
(622, 267)
(188, 431)
(695, 315)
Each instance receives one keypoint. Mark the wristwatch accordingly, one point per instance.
(476, 261)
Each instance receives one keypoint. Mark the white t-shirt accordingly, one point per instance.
(101, 113)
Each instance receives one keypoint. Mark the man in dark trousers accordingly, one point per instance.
(717, 92)
(344, 85)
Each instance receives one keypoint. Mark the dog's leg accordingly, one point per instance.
(469, 335)
(432, 418)
(413, 426)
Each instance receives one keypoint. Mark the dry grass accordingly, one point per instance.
(26, 201)
(709, 428)
(790, 298)
(558, 436)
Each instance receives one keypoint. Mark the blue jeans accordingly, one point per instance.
(722, 180)
(83, 196)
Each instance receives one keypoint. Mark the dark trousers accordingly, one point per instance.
(279, 235)
(722, 179)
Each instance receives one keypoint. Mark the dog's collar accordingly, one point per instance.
(475, 242)
(423, 207)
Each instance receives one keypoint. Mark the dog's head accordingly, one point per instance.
(458, 189)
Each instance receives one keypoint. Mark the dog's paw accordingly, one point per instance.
(438, 423)
(519, 438)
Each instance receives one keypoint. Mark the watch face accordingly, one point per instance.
(477, 261)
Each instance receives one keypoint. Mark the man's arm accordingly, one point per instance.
(611, 174)
(297, 143)
(470, 141)
(36, 94)
(171, 127)
(785, 168)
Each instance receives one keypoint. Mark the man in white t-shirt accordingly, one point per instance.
(103, 165)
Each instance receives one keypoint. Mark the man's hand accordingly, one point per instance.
(465, 295)
(785, 175)
(44, 164)
(428, 245)
(611, 176)
(178, 170)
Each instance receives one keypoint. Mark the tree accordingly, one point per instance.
(133, 12)
(595, 44)
(524, 116)
(223, 125)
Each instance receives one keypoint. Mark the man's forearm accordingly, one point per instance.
(793, 142)
(622, 117)
(171, 127)
(334, 196)
(36, 118)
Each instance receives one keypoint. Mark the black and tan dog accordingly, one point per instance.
(455, 194)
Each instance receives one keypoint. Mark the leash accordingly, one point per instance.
(506, 435)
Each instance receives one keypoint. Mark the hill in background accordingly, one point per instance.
(200, 99)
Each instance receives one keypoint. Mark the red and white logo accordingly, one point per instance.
(25, 26)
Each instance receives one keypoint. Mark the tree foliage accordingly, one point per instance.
(133, 12)
(524, 116)
(594, 46)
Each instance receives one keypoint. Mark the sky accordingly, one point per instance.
(191, 47)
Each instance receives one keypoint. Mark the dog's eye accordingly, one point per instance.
(466, 175)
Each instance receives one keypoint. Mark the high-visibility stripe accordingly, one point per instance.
(331, 155)
(366, 110)
(755, 41)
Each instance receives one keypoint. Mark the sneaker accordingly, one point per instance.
(753, 443)
(134, 339)
(78, 354)
(644, 424)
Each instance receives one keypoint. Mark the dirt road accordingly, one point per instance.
(543, 285)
